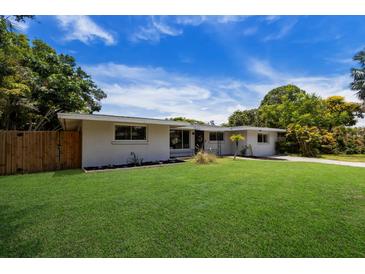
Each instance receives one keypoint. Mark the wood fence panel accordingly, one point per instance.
(2, 154)
(32, 151)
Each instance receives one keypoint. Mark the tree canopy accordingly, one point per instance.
(289, 104)
(276, 95)
(247, 117)
(36, 82)
(188, 120)
(358, 75)
(311, 122)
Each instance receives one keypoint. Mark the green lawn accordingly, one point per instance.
(228, 209)
(345, 157)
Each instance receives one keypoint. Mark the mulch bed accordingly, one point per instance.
(126, 166)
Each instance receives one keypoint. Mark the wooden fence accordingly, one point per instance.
(32, 151)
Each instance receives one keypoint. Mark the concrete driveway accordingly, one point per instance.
(316, 160)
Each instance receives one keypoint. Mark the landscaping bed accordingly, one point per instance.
(144, 164)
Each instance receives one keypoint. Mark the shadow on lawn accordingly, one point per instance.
(12, 224)
(67, 172)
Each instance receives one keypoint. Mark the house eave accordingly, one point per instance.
(117, 119)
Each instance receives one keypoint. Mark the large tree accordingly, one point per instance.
(276, 95)
(358, 74)
(36, 83)
(338, 112)
(291, 105)
(247, 117)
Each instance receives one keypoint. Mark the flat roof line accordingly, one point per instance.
(141, 120)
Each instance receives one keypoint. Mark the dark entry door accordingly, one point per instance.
(199, 140)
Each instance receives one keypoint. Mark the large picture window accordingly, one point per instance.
(216, 136)
(262, 138)
(179, 139)
(130, 133)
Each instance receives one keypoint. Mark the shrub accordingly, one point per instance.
(235, 138)
(134, 160)
(203, 157)
(309, 139)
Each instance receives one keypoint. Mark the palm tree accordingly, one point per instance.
(359, 75)
(236, 138)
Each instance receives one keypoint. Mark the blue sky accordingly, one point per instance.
(204, 67)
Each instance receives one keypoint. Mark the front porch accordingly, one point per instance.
(187, 141)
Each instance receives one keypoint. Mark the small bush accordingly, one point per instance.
(203, 157)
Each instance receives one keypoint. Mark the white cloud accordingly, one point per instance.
(271, 18)
(323, 86)
(156, 28)
(263, 69)
(161, 94)
(83, 28)
(160, 26)
(167, 94)
(284, 30)
(229, 18)
(212, 19)
(190, 20)
(19, 25)
(164, 28)
(249, 31)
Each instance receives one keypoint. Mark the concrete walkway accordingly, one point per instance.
(317, 160)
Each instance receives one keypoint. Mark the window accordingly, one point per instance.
(130, 133)
(179, 139)
(216, 136)
(262, 138)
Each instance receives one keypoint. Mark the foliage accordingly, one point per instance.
(358, 75)
(188, 120)
(312, 140)
(289, 104)
(276, 95)
(300, 108)
(310, 120)
(203, 157)
(247, 150)
(338, 112)
(308, 138)
(10, 19)
(36, 83)
(244, 118)
(236, 138)
(135, 160)
(349, 140)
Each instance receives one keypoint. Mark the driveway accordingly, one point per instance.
(316, 160)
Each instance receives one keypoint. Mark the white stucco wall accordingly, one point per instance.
(258, 149)
(262, 149)
(99, 148)
(212, 146)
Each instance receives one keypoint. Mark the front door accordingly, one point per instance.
(199, 140)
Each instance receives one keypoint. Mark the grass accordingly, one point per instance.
(227, 209)
(345, 157)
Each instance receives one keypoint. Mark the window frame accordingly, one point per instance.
(263, 134)
(145, 140)
(216, 136)
(182, 139)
